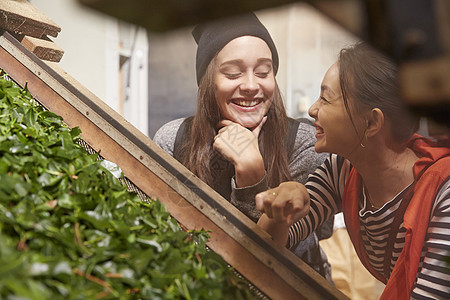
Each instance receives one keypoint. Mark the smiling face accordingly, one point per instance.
(244, 80)
(335, 132)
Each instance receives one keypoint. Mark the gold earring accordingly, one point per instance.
(364, 138)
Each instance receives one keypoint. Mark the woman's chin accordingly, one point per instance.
(319, 148)
(248, 122)
(243, 123)
(249, 125)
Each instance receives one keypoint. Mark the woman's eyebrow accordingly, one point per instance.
(241, 62)
(232, 62)
(264, 60)
(326, 88)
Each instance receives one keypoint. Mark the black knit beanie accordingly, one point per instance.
(211, 37)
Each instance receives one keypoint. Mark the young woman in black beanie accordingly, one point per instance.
(240, 141)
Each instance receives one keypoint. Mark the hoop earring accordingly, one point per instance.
(364, 138)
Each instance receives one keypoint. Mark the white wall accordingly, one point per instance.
(308, 44)
(84, 37)
(92, 44)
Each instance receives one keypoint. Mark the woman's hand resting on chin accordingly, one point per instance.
(239, 146)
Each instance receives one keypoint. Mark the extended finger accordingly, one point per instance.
(257, 129)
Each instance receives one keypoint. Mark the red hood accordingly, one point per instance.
(428, 151)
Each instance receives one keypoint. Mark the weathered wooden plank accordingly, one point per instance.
(20, 16)
(43, 48)
(273, 269)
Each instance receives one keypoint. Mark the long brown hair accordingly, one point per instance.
(197, 151)
(370, 78)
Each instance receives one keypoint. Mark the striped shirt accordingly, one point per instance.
(326, 187)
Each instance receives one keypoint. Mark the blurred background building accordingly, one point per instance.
(149, 77)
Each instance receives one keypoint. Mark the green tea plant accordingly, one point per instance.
(70, 230)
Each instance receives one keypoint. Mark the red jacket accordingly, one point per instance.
(436, 161)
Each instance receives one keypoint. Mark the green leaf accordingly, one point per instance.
(148, 240)
(97, 220)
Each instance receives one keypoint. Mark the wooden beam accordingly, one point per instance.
(273, 269)
(45, 49)
(19, 16)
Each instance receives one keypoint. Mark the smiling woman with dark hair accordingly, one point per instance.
(240, 140)
(392, 185)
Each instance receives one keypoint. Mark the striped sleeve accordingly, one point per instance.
(433, 279)
(325, 187)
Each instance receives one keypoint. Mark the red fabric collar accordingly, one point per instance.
(416, 217)
(428, 151)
